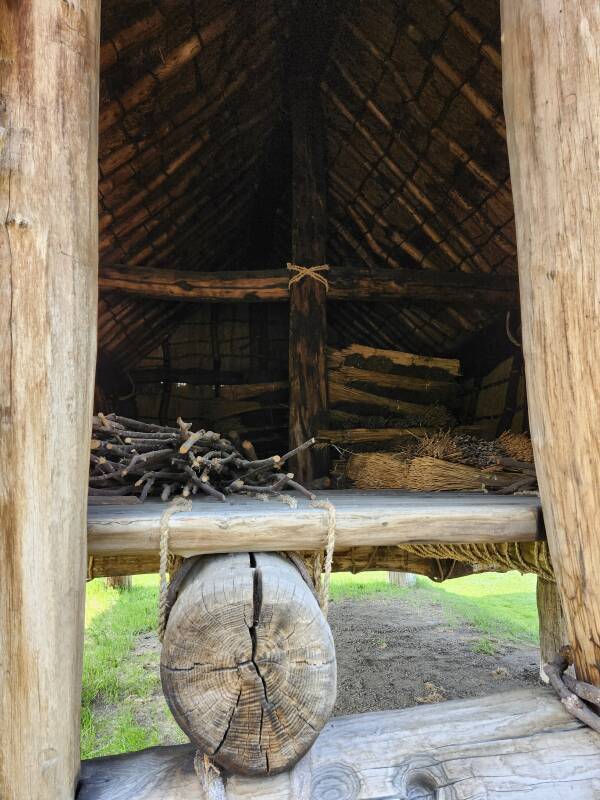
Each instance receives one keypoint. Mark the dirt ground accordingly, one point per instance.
(393, 653)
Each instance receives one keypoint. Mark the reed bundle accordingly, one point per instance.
(446, 462)
(517, 446)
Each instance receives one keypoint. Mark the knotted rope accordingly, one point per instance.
(572, 692)
(308, 272)
(177, 505)
(322, 580)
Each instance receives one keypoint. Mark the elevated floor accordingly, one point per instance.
(373, 518)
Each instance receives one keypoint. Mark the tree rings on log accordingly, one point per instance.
(248, 663)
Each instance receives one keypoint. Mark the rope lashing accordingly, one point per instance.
(177, 505)
(308, 272)
(323, 586)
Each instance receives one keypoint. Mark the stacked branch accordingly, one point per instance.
(387, 395)
(129, 457)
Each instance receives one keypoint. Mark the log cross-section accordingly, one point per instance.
(48, 301)
(248, 663)
(551, 75)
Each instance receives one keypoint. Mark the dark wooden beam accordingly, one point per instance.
(345, 283)
(310, 39)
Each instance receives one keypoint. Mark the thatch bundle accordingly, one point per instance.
(517, 446)
(447, 462)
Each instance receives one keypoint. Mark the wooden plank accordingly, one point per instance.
(338, 358)
(551, 67)
(48, 303)
(511, 745)
(345, 283)
(363, 518)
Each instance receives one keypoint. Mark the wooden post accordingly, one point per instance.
(48, 303)
(248, 663)
(551, 73)
(308, 297)
(553, 634)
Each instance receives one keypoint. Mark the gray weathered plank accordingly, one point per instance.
(512, 745)
(243, 524)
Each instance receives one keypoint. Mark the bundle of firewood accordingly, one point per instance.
(129, 457)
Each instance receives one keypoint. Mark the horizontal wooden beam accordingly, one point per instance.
(511, 744)
(345, 283)
(363, 518)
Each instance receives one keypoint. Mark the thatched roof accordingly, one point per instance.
(195, 153)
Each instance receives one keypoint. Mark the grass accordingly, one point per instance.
(115, 681)
(120, 681)
(498, 605)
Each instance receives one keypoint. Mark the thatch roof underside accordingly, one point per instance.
(195, 154)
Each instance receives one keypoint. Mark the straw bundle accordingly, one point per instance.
(428, 474)
(517, 446)
(378, 471)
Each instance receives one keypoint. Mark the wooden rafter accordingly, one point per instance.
(345, 283)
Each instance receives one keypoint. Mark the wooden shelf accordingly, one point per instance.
(363, 518)
(511, 745)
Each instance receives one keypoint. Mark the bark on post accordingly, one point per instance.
(308, 297)
(248, 663)
(553, 634)
(551, 74)
(48, 302)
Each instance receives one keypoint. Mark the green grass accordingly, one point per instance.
(499, 605)
(119, 710)
(115, 683)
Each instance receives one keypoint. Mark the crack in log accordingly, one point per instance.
(235, 706)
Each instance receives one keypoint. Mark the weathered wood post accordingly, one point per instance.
(308, 297)
(248, 663)
(48, 300)
(551, 75)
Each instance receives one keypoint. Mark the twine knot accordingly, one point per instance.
(308, 272)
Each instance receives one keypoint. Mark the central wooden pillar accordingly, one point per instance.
(551, 75)
(308, 297)
(48, 302)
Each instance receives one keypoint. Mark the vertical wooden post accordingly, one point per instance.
(551, 74)
(48, 302)
(553, 634)
(308, 298)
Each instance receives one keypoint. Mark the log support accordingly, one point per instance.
(248, 663)
(511, 745)
(48, 303)
(551, 83)
(553, 634)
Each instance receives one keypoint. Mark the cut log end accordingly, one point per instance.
(248, 663)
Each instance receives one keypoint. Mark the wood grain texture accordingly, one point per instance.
(248, 662)
(363, 518)
(553, 631)
(551, 69)
(48, 299)
(513, 745)
(254, 286)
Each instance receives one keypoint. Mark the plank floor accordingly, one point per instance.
(371, 518)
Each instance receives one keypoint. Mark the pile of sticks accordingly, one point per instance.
(129, 457)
